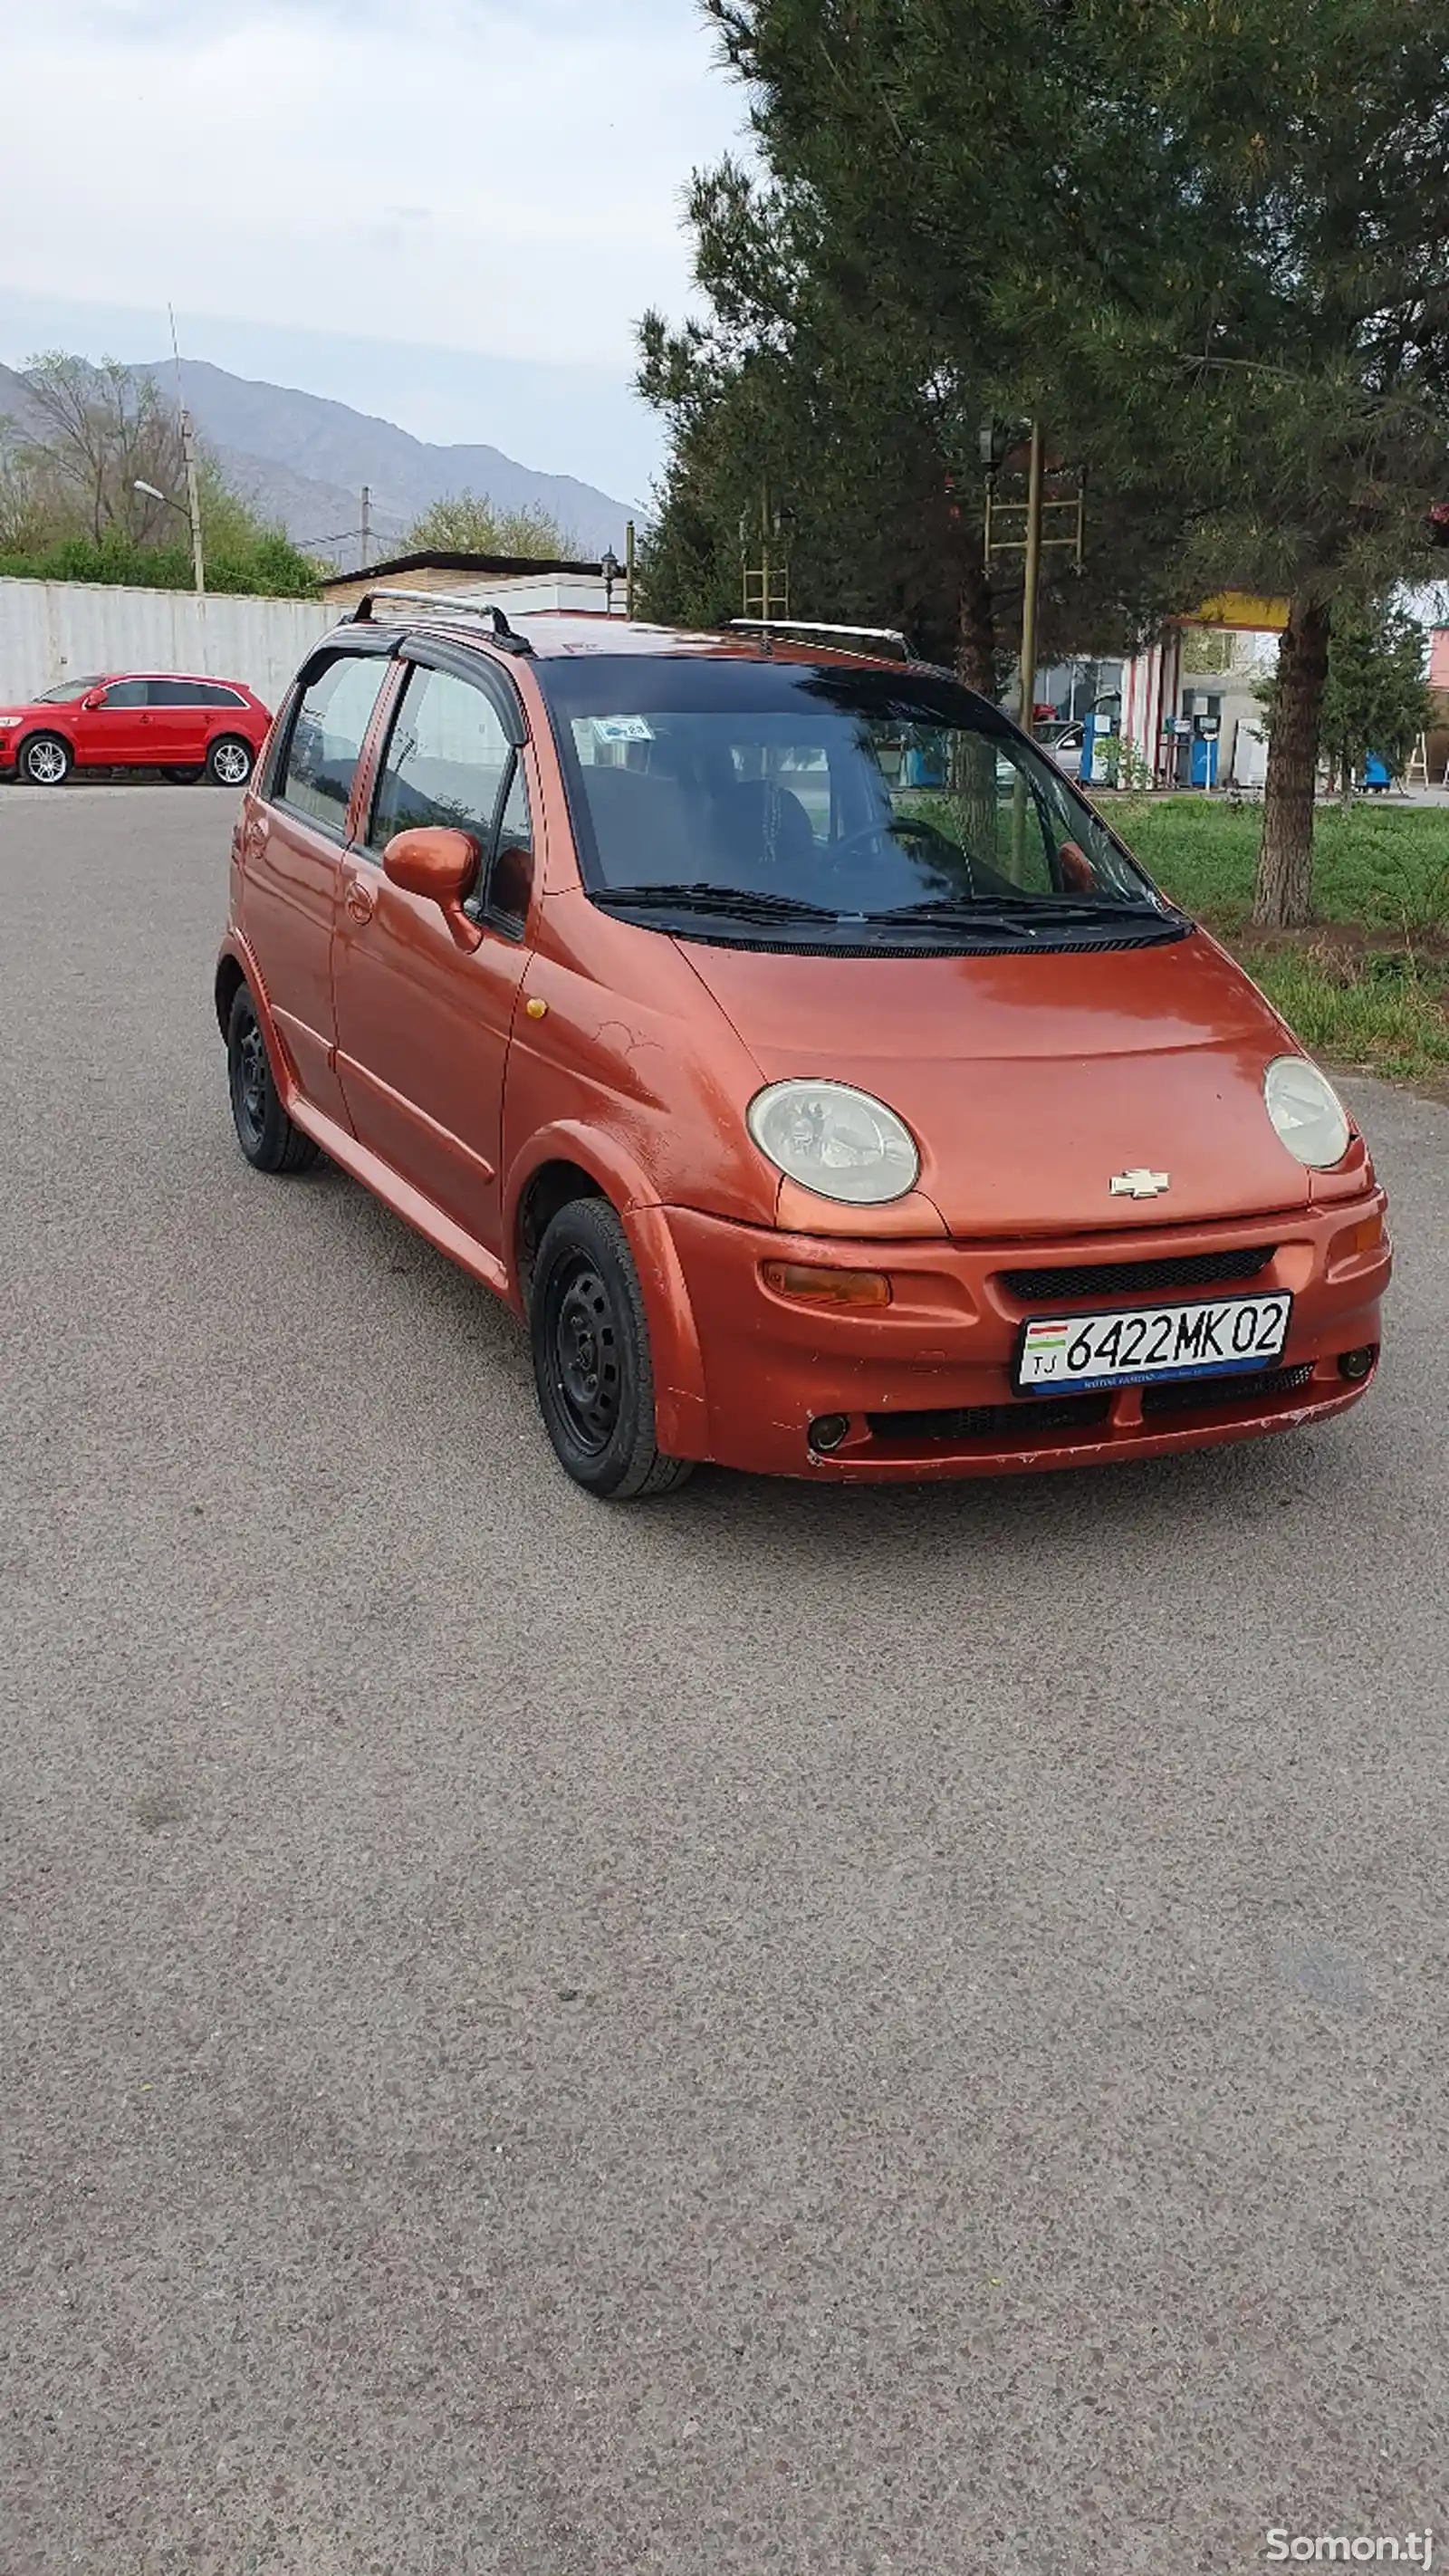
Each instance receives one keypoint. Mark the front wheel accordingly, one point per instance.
(45, 761)
(229, 762)
(264, 1132)
(591, 1361)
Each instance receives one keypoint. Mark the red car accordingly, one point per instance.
(187, 728)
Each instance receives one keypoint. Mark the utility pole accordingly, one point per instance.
(629, 569)
(193, 503)
(366, 525)
(188, 458)
(1031, 583)
(1030, 528)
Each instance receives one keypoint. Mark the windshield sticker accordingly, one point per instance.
(622, 729)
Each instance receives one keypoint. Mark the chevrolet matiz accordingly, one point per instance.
(792, 1046)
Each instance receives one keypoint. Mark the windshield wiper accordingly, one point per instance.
(1020, 912)
(738, 900)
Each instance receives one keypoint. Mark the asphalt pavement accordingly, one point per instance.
(774, 2033)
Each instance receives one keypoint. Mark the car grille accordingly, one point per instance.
(1129, 1278)
(1017, 1424)
(1185, 1394)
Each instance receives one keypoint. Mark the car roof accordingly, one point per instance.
(554, 634)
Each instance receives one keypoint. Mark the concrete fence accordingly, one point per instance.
(59, 630)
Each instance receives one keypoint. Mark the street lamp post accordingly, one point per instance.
(609, 566)
(191, 513)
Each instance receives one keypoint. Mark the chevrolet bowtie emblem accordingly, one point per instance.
(1139, 1185)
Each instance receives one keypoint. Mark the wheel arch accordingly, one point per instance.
(230, 977)
(44, 733)
(572, 1161)
(234, 967)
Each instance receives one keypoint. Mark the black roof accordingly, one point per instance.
(482, 565)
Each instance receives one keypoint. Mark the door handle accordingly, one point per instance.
(254, 839)
(358, 900)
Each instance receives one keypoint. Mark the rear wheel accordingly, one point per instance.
(229, 761)
(45, 760)
(182, 777)
(591, 1359)
(265, 1133)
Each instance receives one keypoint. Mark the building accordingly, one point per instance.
(1190, 704)
(515, 581)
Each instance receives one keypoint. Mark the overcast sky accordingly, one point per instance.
(451, 212)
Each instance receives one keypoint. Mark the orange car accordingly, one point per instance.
(786, 1039)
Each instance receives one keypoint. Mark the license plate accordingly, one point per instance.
(1221, 1337)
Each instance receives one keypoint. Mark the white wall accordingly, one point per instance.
(522, 594)
(53, 630)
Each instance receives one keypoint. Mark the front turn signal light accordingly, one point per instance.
(824, 1287)
(1366, 1236)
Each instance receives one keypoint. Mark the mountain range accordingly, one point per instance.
(304, 460)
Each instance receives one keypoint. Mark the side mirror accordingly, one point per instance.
(93, 698)
(1076, 868)
(440, 865)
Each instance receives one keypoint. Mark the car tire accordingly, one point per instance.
(182, 777)
(46, 760)
(591, 1362)
(230, 761)
(264, 1132)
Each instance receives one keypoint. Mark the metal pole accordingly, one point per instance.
(193, 504)
(629, 569)
(1031, 581)
(366, 525)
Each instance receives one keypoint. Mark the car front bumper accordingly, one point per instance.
(926, 1383)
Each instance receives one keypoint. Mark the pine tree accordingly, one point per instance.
(1206, 240)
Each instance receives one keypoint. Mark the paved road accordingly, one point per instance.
(841, 2034)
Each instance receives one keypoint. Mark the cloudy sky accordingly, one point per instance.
(450, 212)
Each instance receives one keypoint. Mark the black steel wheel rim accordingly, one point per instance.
(584, 1361)
(249, 1079)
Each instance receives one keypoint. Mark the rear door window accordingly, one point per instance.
(326, 739)
(192, 693)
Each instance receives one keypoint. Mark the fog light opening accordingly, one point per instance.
(1356, 1365)
(827, 1432)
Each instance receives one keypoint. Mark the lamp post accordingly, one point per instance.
(610, 567)
(192, 513)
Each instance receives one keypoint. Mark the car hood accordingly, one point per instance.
(1030, 1080)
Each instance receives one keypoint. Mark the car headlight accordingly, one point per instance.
(1306, 1111)
(835, 1141)
(8, 720)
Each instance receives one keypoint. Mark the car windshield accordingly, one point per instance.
(775, 804)
(66, 692)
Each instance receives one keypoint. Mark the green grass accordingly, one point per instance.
(1384, 867)
(1381, 871)
(1349, 1011)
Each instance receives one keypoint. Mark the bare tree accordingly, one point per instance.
(94, 433)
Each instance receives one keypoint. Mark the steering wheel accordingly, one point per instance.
(904, 826)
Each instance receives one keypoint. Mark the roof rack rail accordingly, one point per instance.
(814, 626)
(445, 606)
